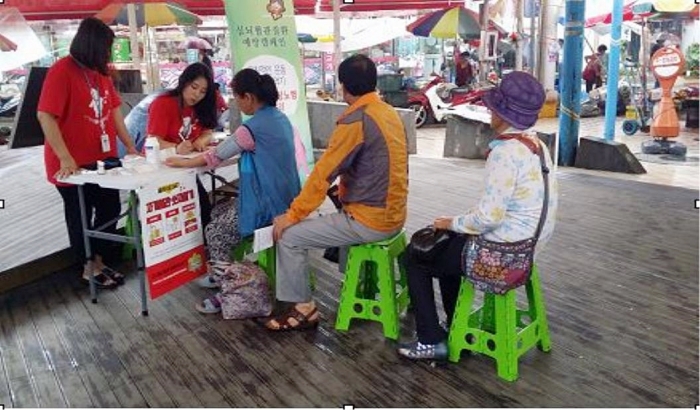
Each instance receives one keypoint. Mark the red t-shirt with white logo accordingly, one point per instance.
(68, 95)
(167, 120)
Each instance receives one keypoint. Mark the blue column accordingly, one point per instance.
(570, 81)
(613, 71)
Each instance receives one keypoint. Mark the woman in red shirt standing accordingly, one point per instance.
(184, 118)
(80, 117)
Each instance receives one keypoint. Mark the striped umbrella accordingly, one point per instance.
(665, 8)
(6, 44)
(149, 13)
(447, 23)
(606, 18)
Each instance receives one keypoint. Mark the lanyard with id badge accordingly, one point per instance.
(187, 125)
(97, 100)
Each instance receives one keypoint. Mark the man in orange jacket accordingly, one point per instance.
(368, 152)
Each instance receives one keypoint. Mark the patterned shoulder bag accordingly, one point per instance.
(497, 267)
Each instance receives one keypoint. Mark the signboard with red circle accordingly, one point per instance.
(668, 62)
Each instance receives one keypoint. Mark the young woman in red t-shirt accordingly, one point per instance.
(79, 114)
(185, 117)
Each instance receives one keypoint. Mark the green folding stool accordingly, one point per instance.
(498, 328)
(373, 288)
(266, 258)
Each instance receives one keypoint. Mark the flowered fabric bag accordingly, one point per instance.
(245, 291)
(497, 267)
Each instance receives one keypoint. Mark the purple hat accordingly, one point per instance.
(517, 100)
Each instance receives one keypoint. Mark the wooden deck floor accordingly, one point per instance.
(621, 286)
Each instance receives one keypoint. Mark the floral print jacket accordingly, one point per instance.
(509, 209)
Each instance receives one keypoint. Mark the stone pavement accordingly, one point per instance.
(431, 140)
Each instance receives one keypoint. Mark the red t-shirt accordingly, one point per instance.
(66, 94)
(167, 120)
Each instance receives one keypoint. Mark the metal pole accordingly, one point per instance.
(138, 245)
(533, 45)
(547, 69)
(133, 35)
(520, 6)
(644, 65)
(613, 71)
(541, 56)
(483, 63)
(570, 81)
(86, 241)
(337, 51)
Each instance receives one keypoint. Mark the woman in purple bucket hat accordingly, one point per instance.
(508, 211)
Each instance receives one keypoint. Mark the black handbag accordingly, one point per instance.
(429, 242)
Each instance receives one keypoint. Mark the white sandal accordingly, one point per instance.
(209, 305)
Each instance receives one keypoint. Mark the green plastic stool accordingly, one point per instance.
(129, 229)
(497, 328)
(266, 259)
(371, 272)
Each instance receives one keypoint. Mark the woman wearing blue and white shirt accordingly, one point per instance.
(508, 211)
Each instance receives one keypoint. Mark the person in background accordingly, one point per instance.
(183, 118)
(508, 211)
(464, 73)
(407, 83)
(560, 54)
(136, 122)
(367, 150)
(270, 137)
(79, 114)
(595, 69)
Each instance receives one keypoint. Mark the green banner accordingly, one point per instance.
(264, 37)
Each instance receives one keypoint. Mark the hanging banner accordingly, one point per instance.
(173, 244)
(264, 37)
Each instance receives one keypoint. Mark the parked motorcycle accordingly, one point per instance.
(10, 97)
(438, 99)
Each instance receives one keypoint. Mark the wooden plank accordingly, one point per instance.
(620, 281)
(89, 336)
(207, 348)
(150, 345)
(25, 183)
(61, 362)
(128, 353)
(5, 343)
(32, 369)
(187, 351)
(69, 335)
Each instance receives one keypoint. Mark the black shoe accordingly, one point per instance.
(419, 351)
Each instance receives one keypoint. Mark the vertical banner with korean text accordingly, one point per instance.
(264, 37)
(171, 233)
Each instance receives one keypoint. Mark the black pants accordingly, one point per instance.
(101, 206)
(447, 267)
(591, 85)
(204, 204)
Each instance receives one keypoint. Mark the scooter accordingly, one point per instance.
(438, 99)
(10, 97)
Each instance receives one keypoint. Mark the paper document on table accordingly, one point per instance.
(262, 239)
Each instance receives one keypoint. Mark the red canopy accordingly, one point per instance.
(381, 5)
(78, 9)
(604, 19)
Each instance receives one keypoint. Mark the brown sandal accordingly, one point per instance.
(302, 321)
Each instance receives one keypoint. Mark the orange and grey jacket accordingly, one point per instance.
(368, 151)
